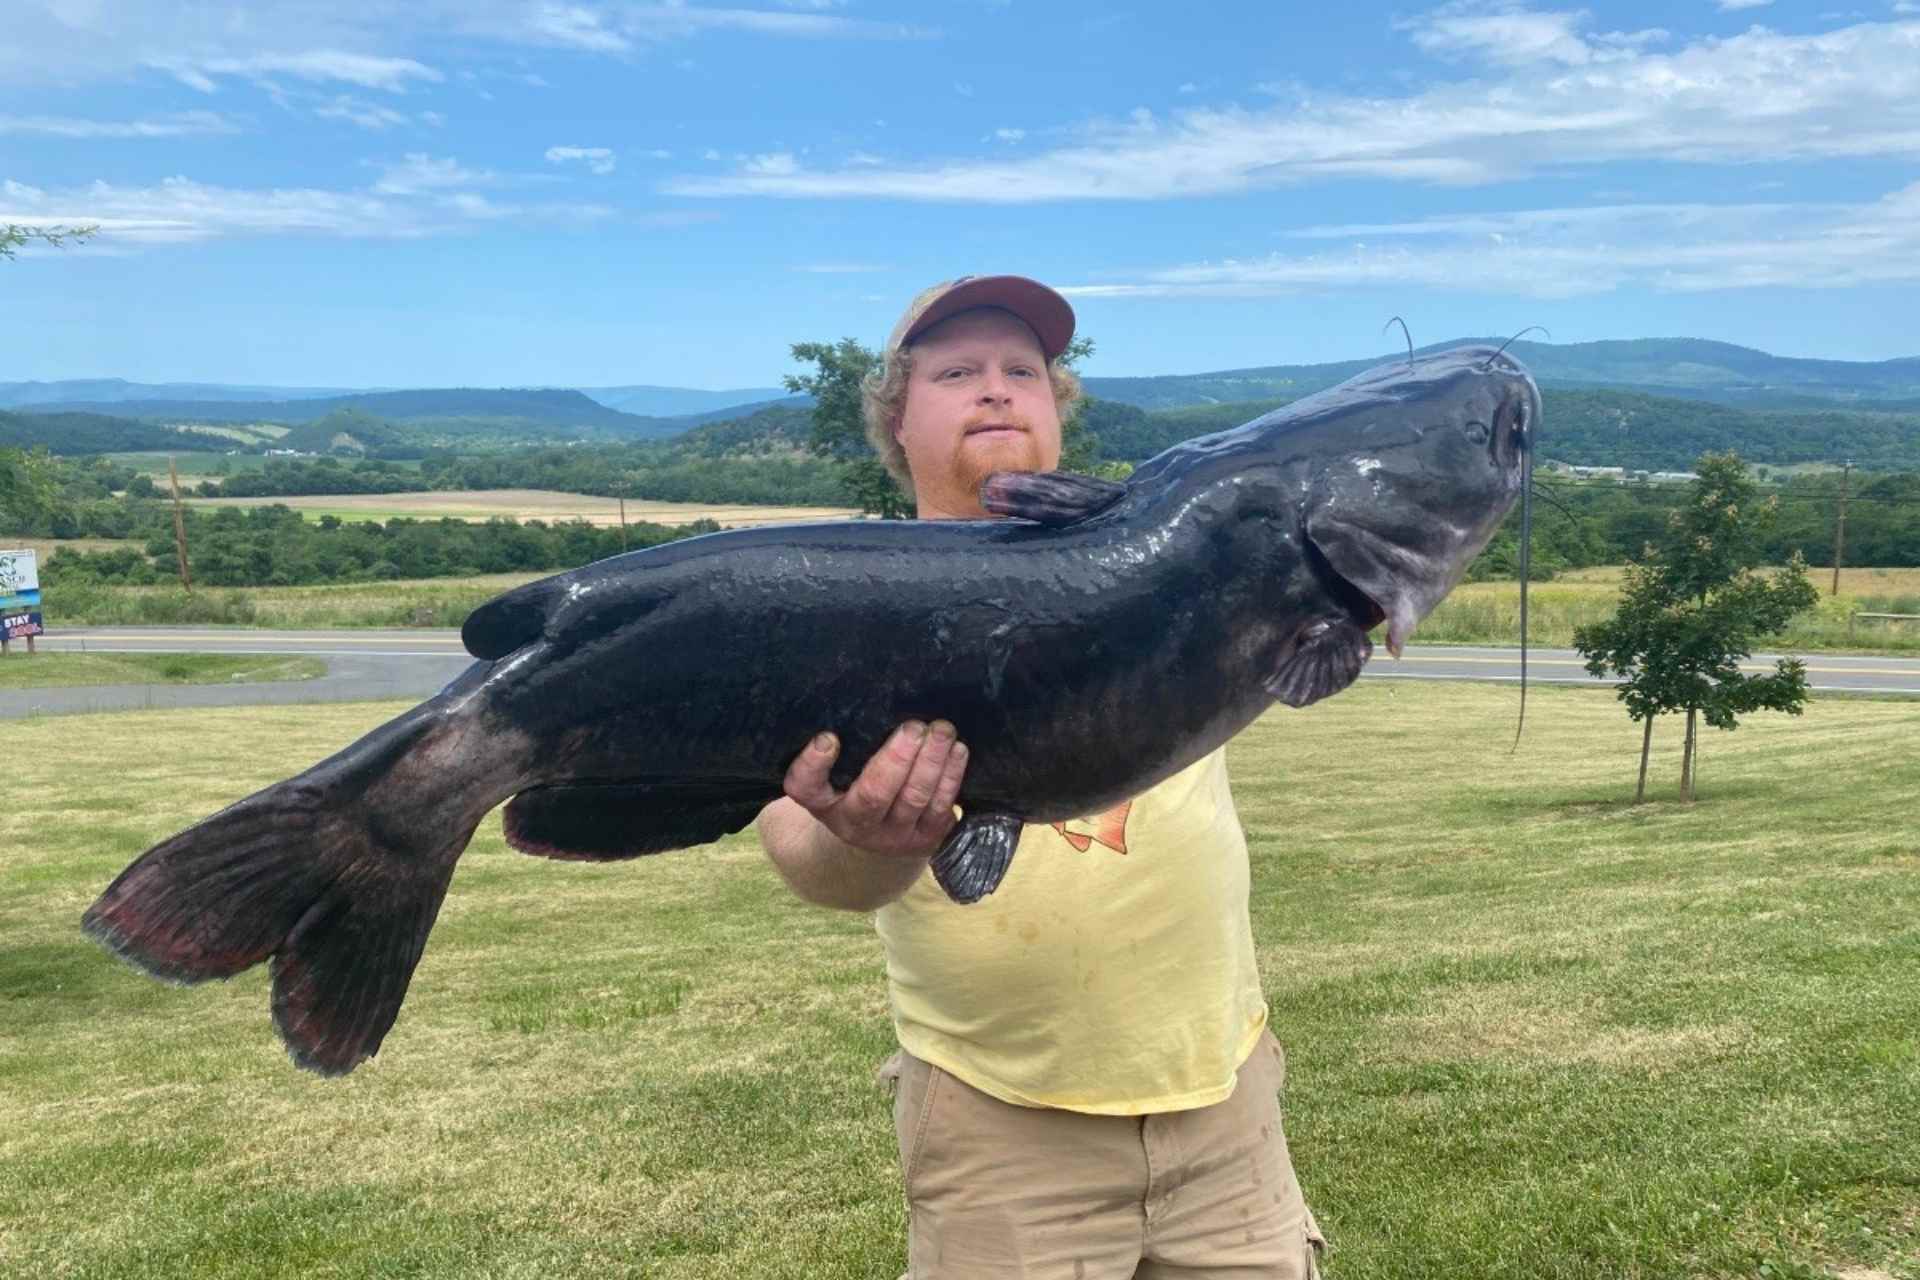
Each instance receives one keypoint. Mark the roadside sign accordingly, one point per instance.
(20, 594)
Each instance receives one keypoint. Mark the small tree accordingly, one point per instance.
(1690, 610)
(839, 431)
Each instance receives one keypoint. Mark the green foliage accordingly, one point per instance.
(839, 430)
(273, 546)
(84, 433)
(14, 237)
(1692, 607)
(29, 488)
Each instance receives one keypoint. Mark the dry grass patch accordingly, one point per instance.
(531, 504)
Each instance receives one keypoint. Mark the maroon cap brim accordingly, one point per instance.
(1047, 313)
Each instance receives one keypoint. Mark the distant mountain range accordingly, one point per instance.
(1691, 368)
(1649, 402)
(119, 395)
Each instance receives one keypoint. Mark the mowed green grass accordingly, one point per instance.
(55, 670)
(1533, 1031)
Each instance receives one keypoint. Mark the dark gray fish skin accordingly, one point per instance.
(654, 700)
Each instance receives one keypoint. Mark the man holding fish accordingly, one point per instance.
(1087, 1085)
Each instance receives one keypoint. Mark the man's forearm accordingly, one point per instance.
(823, 869)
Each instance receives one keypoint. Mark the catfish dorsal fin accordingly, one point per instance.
(510, 619)
(1052, 498)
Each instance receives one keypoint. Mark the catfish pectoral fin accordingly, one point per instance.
(608, 821)
(973, 861)
(1052, 498)
(1327, 659)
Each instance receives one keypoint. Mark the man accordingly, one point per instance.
(1086, 1086)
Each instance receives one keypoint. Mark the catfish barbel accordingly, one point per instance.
(1106, 637)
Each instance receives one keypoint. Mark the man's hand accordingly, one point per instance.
(901, 805)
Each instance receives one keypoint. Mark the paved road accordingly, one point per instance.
(363, 664)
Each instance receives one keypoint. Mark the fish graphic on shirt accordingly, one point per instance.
(1108, 830)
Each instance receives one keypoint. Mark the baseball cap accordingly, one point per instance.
(1046, 312)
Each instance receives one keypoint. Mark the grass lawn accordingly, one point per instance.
(1533, 1031)
(52, 670)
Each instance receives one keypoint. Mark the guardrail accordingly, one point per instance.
(1888, 617)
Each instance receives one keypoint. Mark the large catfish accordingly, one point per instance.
(1105, 637)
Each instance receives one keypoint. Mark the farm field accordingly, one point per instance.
(194, 466)
(529, 504)
(1532, 1031)
(1489, 612)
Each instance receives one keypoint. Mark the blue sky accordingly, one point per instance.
(599, 192)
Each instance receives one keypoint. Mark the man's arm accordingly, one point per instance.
(861, 848)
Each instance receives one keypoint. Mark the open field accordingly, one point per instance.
(420, 602)
(1533, 1031)
(193, 466)
(1489, 612)
(45, 547)
(529, 504)
(68, 670)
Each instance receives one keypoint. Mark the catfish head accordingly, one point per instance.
(1411, 468)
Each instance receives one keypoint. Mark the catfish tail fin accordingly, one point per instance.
(334, 881)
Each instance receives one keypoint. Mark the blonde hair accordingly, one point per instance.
(883, 402)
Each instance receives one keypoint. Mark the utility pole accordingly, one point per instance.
(179, 526)
(1840, 527)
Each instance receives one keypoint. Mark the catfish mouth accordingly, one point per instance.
(1366, 612)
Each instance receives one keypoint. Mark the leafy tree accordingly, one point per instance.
(839, 432)
(1690, 610)
(29, 490)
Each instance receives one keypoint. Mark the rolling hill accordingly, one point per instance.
(1687, 368)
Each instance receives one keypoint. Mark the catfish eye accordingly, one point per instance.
(1475, 431)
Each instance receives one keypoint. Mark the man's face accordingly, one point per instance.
(978, 401)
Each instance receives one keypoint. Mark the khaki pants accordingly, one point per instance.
(995, 1190)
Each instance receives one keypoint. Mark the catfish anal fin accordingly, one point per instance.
(1052, 498)
(1327, 659)
(974, 859)
(609, 821)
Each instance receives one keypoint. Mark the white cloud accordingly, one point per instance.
(363, 42)
(417, 172)
(598, 159)
(365, 70)
(1756, 96)
(1564, 253)
(1188, 87)
(1009, 135)
(179, 209)
(660, 153)
(368, 115)
(773, 164)
(1734, 6)
(179, 124)
(1906, 6)
(1509, 35)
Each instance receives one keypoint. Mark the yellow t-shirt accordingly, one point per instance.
(1113, 970)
